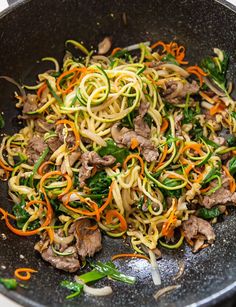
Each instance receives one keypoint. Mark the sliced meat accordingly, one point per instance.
(42, 126)
(219, 140)
(30, 104)
(69, 137)
(88, 241)
(89, 159)
(73, 157)
(140, 126)
(176, 90)
(222, 196)
(178, 118)
(54, 143)
(124, 136)
(195, 226)
(35, 148)
(69, 263)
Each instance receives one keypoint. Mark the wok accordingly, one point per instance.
(32, 29)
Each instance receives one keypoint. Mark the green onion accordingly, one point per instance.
(9, 283)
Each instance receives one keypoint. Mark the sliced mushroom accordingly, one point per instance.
(104, 46)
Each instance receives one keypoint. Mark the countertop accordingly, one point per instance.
(3, 300)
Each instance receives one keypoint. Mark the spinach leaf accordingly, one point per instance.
(169, 58)
(22, 216)
(112, 149)
(9, 283)
(148, 119)
(233, 114)
(208, 213)
(99, 183)
(2, 121)
(231, 140)
(171, 183)
(232, 166)
(110, 270)
(216, 69)
(75, 287)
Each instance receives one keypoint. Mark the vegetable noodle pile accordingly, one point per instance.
(138, 141)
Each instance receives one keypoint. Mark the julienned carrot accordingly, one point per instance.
(165, 125)
(205, 190)
(3, 212)
(188, 169)
(115, 50)
(6, 168)
(207, 98)
(164, 154)
(50, 232)
(135, 156)
(25, 271)
(109, 198)
(232, 184)
(199, 178)
(114, 213)
(174, 49)
(76, 133)
(42, 166)
(134, 143)
(196, 70)
(35, 231)
(129, 256)
(219, 107)
(41, 89)
(66, 73)
(197, 147)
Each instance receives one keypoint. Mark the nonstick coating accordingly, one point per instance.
(34, 29)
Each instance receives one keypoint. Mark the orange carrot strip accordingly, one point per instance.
(41, 89)
(76, 133)
(50, 234)
(134, 143)
(115, 50)
(114, 213)
(42, 166)
(207, 98)
(26, 271)
(6, 168)
(109, 198)
(232, 185)
(129, 256)
(196, 147)
(159, 43)
(135, 156)
(165, 125)
(205, 190)
(72, 71)
(217, 108)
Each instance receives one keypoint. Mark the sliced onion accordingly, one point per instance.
(136, 46)
(94, 137)
(22, 91)
(165, 290)
(73, 197)
(213, 87)
(63, 240)
(94, 291)
(156, 277)
(174, 68)
(219, 53)
(206, 105)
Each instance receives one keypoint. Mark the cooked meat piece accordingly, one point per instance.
(124, 136)
(73, 157)
(35, 148)
(69, 263)
(199, 243)
(178, 118)
(92, 158)
(222, 196)
(54, 143)
(219, 140)
(88, 241)
(195, 226)
(140, 126)
(176, 90)
(30, 104)
(42, 126)
(69, 137)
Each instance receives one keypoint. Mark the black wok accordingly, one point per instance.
(32, 29)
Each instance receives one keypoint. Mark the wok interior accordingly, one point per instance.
(36, 29)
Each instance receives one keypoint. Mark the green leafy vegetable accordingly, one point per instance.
(110, 270)
(121, 54)
(75, 287)
(233, 114)
(232, 166)
(92, 276)
(148, 119)
(112, 149)
(171, 183)
(208, 213)
(216, 69)
(9, 283)
(231, 140)
(2, 121)
(212, 175)
(169, 58)
(22, 216)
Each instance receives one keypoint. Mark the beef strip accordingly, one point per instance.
(54, 143)
(175, 90)
(35, 148)
(124, 136)
(140, 126)
(89, 159)
(30, 104)
(196, 226)
(88, 241)
(42, 126)
(69, 138)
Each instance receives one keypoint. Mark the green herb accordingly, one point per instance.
(9, 283)
(75, 287)
(92, 276)
(22, 216)
(231, 140)
(196, 132)
(169, 58)
(112, 149)
(232, 166)
(2, 121)
(216, 69)
(148, 119)
(208, 213)
(171, 183)
(110, 270)
(233, 114)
